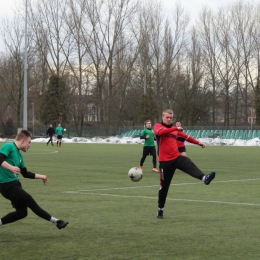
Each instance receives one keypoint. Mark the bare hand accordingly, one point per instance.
(45, 179)
(15, 170)
(180, 128)
(147, 136)
(202, 145)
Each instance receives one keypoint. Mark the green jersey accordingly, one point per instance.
(14, 158)
(59, 130)
(148, 141)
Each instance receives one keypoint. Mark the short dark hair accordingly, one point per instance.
(23, 134)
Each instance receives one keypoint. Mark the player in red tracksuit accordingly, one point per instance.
(170, 158)
(182, 137)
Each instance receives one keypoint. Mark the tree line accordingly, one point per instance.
(120, 62)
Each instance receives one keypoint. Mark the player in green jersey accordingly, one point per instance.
(59, 133)
(12, 164)
(149, 146)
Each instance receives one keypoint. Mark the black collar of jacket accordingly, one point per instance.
(168, 126)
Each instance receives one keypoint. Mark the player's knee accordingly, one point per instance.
(22, 213)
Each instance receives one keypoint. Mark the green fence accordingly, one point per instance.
(225, 134)
(242, 132)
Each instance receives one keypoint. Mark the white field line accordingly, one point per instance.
(151, 186)
(42, 151)
(156, 198)
(91, 192)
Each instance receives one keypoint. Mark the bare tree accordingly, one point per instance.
(162, 44)
(256, 86)
(12, 69)
(225, 67)
(104, 41)
(242, 48)
(193, 96)
(75, 18)
(208, 42)
(52, 42)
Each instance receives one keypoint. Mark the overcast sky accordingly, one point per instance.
(192, 6)
(7, 7)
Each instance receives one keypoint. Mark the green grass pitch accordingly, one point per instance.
(113, 218)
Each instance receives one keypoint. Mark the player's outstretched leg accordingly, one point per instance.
(209, 178)
(61, 224)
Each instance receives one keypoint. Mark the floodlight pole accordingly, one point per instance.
(25, 73)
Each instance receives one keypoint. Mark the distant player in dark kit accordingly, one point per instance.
(149, 147)
(50, 132)
(170, 158)
(182, 137)
(12, 164)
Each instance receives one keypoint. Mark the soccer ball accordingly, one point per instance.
(135, 174)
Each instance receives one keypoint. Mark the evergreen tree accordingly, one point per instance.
(55, 101)
(147, 107)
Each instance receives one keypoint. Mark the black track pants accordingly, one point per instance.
(149, 150)
(21, 200)
(167, 170)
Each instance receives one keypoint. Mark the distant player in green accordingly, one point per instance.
(59, 133)
(12, 164)
(149, 146)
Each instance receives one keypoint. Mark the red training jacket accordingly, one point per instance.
(166, 138)
(166, 142)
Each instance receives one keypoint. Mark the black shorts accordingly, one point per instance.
(14, 192)
(59, 136)
(182, 149)
(149, 150)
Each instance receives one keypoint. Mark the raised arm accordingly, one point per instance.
(190, 139)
